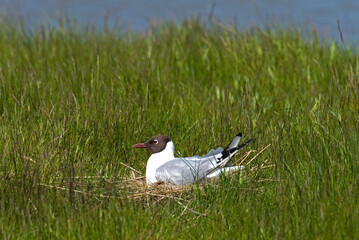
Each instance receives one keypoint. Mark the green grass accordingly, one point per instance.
(72, 102)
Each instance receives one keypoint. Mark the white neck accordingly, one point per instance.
(158, 159)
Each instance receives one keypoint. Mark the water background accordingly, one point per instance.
(137, 14)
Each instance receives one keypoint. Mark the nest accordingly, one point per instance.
(134, 186)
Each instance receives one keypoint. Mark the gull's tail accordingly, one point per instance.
(234, 143)
(226, 155)
(232, 149)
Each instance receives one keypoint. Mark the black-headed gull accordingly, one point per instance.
(163, 166)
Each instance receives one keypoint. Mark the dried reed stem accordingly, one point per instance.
(124, 164)
(76, 191)
(258, 154)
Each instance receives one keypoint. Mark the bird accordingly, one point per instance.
(163, 166)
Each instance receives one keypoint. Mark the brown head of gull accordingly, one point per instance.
(155, 144)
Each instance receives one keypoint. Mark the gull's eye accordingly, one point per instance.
(155, 141)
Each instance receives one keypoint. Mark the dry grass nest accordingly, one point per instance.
(134, 186)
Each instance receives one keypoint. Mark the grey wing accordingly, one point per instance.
(184, 171)
(234, 143)
(213, 152)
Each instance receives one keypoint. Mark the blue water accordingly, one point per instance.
(137, 14)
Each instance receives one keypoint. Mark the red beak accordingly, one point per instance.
(139, 145)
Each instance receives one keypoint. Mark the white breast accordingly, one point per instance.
(158, 159)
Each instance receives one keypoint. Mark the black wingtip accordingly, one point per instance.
(248, 141)
(242, 145)
(226, 152)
